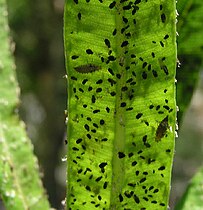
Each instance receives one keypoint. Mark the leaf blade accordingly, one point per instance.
(136, 94)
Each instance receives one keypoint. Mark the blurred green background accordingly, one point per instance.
(37, 30)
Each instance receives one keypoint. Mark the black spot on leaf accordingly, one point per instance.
(113, 93)
(89, 51)
(124, 88)
(144, 65)
(110, 71)
(74, 57)
(113, 82)
(111, 58)
(161, 43)
(73, 78)
(124, 43)
(107, 109)
(120, 198)
(136, 199)
(84, 81)
(88, 188)
(154, 73)
(139, 115)
(123, 104)
(93, 99)
(105, 185)
(98, 90)
(134, 163)
(96, 111)
(102, 165)
(127, 7)
(112, 5)
(78, 141)
(143, 180)
(166, 36)
(98, 179)
(161, 168)
(114, 32)
(125, 20)
(107, 42)
(121, 155)
(163, 18)
(99, 81)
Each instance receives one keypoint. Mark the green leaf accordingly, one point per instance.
(20, 184)
(120, 60)
(190, 27)
(190, 50)
(192, 198)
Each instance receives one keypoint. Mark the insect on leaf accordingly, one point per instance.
(88, 68)
(162, 128)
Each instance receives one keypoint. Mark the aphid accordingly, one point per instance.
(87, 68)
(162, 128)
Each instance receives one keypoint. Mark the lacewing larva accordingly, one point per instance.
(87, 68)
(161, 129)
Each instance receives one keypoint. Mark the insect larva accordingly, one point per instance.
(87, 68)
(162, 128)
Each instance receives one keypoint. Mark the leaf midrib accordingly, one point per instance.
(118, 165)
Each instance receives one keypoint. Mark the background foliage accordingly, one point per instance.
(37, 28)
(20, 182)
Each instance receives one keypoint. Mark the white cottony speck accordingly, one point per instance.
(63, 202)
(176, 126)
(64, 159)
(176, 134)
(66, 121)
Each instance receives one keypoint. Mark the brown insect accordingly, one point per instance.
(87, 68)
(162, 128)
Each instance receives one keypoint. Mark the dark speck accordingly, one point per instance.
(121, 155)
(105, 185)
(125, 43)
(88, 51)
(79, 16)
(136, 199)
(139, 115)
(120, 198)
(107, 42)
(102, 165)
(112, 5)
(123, 104)
(161, 168)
